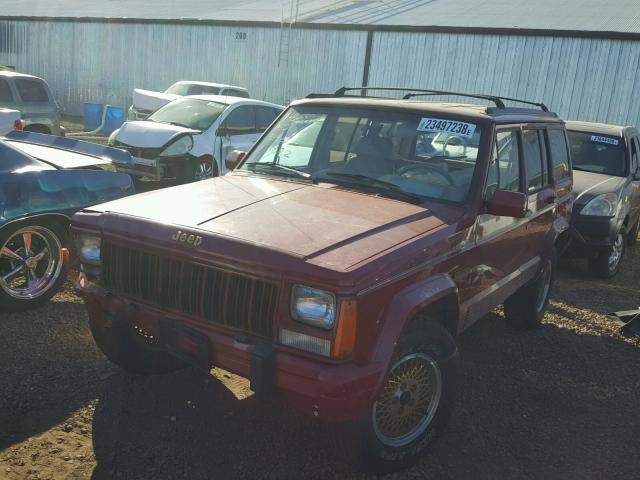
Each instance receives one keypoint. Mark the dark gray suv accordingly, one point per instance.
(32, 97)
(606, 181)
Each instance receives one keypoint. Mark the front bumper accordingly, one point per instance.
(155, 169)
(590, 235)
(332, 392)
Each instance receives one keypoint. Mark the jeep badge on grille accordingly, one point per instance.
(189, 238)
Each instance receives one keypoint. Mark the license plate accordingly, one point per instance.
(144, 161)
(185, 343)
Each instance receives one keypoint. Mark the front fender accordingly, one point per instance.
(404, 306)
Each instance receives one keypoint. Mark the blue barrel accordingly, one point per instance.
(92, 116)
(115, 117)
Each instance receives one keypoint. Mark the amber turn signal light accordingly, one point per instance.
(345, 339)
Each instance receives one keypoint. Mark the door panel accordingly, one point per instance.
(501, 242)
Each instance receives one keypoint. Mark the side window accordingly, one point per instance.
(241, 121)
(31, 90)
(534, 159)
(507, 165)
(265, 117)
(559, 154)
(5, 92)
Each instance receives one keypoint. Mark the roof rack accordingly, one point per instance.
(415, 92)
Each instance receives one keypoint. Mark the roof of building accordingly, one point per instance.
(623, 16)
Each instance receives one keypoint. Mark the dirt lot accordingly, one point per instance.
(561, 402)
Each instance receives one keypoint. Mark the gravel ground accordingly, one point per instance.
(561, 402)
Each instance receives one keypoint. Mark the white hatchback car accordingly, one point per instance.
(189, 138)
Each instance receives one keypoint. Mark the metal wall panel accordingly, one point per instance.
(579, 78)
(102, 62)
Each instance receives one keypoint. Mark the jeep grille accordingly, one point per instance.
(208, 293)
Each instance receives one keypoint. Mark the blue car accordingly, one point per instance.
(43, 181)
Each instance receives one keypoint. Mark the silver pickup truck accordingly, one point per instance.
(32, 98)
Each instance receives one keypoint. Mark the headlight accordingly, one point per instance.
(89, 249)
(313, 307)
(179, 147)
(604, 205)
(112, 138)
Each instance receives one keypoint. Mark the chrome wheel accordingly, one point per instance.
(409, 400)
(30, 262)
(616, 252)
(204, 170)
(545, 286)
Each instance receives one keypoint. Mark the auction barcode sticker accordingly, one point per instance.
(607, 140)
(447, 126)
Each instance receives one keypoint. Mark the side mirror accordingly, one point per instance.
(222, 132)
(508, 204)
(233, 159)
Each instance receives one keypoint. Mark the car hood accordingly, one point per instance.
(587, 185)
(148, 134)
(321, 224)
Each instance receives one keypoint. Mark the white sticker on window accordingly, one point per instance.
(608, 140)
(448, 126)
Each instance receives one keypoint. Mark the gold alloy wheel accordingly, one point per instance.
(408, 401)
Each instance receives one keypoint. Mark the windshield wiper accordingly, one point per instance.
(178, 124)
(277, 166)
(380, 185)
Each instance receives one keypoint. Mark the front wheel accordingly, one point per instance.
(31, 264)
(415, 401)
(525, 309)
(608, 262)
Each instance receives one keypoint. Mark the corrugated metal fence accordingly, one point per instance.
(580, 78)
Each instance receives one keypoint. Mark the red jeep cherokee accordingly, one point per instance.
(338, 262)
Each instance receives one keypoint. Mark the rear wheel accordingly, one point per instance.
(525, 309)
(608, 262)
(132, 349)
(31, 264)
(414, 403)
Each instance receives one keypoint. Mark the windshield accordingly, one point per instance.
(417, 155)
(598, 153)
(189, 112)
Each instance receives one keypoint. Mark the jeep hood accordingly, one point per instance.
(148, 134)
(321, 224)
(587, 185)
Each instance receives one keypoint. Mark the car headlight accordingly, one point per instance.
(313, 307)
(89, 248)
(179, 147)
(604, 205)
(112, 138)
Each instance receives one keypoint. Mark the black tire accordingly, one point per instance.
(430, 346)
(194, 170)
(42, 232)
(632, 239)
(132, 351)
(603, 265)
(525, 309)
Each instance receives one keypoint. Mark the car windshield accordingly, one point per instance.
(189, 112)
(598, 153)
(402, 154)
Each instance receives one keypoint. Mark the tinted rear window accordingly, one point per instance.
(5, 91)
(32, 90)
